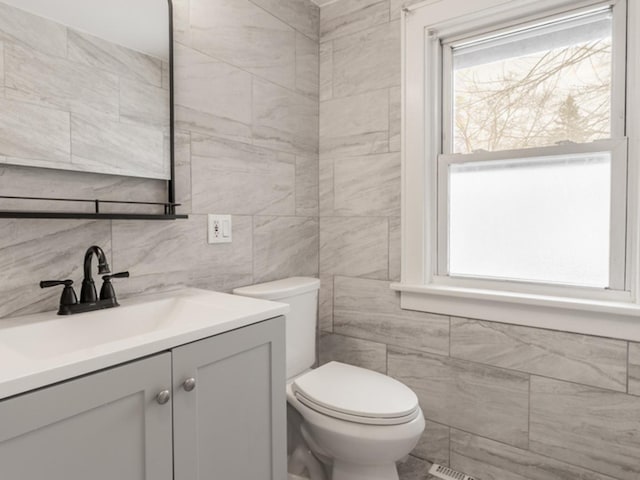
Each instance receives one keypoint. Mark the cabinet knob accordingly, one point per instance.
(163, 397)
(189, 384)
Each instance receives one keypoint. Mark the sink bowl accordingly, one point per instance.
(41, 349)
(68, 334)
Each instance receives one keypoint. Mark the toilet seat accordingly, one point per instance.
(356, 395)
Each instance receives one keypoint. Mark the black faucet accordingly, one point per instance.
(88, 297)
(88, 293)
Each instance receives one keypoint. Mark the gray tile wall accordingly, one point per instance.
(246, 145)
(501, 401)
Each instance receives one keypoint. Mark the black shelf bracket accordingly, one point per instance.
(169, 210)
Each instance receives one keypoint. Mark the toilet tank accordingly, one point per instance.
(301, 294)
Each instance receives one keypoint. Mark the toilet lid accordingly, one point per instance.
(356, 394)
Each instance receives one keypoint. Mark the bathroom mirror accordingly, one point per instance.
(85, 86)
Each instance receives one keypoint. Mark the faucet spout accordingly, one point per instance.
(88, 293)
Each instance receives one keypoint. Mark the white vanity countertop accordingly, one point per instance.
(42, 349)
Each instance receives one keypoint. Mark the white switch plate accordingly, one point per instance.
(219, 229)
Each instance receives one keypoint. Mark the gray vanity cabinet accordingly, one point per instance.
(222, 416)
(103, 426)
(230, 415)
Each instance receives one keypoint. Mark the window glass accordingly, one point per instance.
(536, 219)
(542, 85)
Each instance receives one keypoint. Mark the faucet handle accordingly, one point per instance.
(68, 296)
(107, 292)
(107, 278)
(54, 283)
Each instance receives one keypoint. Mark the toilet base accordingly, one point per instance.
(345, 471)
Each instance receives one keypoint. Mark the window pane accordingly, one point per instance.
(534, 87)
(540, 220)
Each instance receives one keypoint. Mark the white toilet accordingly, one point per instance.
(357, 422)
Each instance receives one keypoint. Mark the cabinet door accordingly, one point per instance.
(232, 425)
(103, 426)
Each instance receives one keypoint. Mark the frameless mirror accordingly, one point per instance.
(84, 86)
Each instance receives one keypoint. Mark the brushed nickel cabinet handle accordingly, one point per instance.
(189, 384)
(163, 397)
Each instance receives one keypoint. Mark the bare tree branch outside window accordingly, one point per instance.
(542, 99)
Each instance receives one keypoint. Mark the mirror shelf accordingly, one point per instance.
(92, 100)
(96, 210)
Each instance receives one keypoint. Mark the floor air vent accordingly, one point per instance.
(447, 473)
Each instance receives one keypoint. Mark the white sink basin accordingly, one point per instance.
(69, 334)
(41, 349)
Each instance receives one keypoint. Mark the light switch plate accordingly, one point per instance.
(219, 229)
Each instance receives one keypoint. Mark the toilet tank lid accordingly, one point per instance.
(288, 287)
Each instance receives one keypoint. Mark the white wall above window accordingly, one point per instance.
(439, 209)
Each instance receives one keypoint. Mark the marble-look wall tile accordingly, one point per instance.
(634, 368)
(306, 185)
(31, 132)
(395, 239)
(143, 104)
(156, 256)
(357, 125)
(166, 75)
(484, 400)
(284, 120)
(434, 444)
(240, 179)
(307, 66)
(183, 171)
(19, 26)
(226, 266)
(1, 69)
(124, 62)
(325, 186)
(211, 97)
(325, 304)
(413, 468)
(370, 310)
(353, 351)
(34, 250)
(284, 247)
(214, 99)
(354, 246)
(367, 186)
(349, 16)
(367, 60)
(594, 428)
(395, 119)
(490, 460)
(577, 358)
(326, 71)
(302, 15)
(105, 145)
(153, 253)
(182, 22)
(243, 34)
(55, 82)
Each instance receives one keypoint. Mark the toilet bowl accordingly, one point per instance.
(360, 422)
(356, 422)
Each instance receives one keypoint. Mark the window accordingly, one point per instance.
(516, 156)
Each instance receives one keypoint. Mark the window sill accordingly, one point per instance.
(591, 317)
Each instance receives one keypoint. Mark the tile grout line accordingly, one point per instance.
(260, 77)
(526, 451)
(287, 23)
(355, 32)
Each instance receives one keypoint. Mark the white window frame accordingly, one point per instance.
(424, 287)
